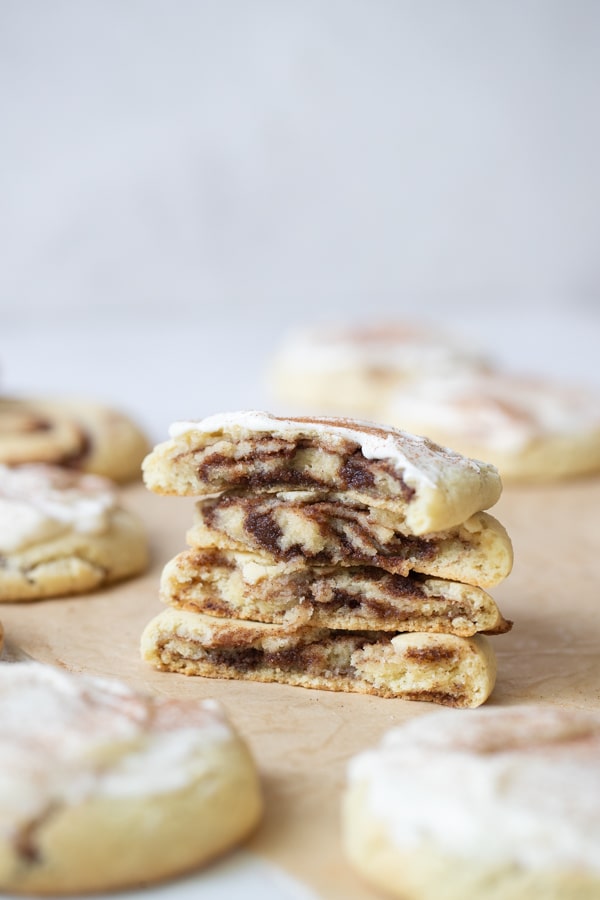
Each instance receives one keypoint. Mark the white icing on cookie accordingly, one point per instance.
(65, 737)
(498, 411)
(518, 785)
(417, 459)
(39, 502)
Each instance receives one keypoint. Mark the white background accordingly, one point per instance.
(182, 182)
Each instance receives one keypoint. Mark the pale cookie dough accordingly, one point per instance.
(354, 371)
(324, 529)
(241, 585)
(427, 487)
(63, 532)
(73, 433)
(497, 804)
(103, 788)
(440, 668)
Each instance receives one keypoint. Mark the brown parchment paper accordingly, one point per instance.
(302, 739)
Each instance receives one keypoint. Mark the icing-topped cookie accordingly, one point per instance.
(63, 532)
(352, 371)
(529, 428)
(428, 487)
(502, 802)
(104, 788)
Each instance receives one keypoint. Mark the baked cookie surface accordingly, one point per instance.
(496, 803)
(427, 487)
(63, 532)
(441, 668)
(104, 788)
(76, 434)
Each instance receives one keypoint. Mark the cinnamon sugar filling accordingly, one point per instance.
(275, 464)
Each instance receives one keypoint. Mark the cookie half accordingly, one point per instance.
(76, 434)
(441, 668)
(426, 487)
(494, 803)
(241, 585)
(63, 532)
(104, 788)
(323, 529)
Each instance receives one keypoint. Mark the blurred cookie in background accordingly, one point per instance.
(76, 434)
(430, 384)
(531, 429)
(62, 533)
(355, 371)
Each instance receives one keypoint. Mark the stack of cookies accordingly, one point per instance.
(332, 554)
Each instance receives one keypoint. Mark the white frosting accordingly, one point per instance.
(22, 525)
(418, 460)
(66, 737)
(496, 411)
(518, 785)
(39, 502)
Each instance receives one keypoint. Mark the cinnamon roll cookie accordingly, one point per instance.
(426, 487)
(331, 529)
(63, 532)
(104, 788)
(75, 434)
(441, 668)
(494, 803)
(242, 585)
